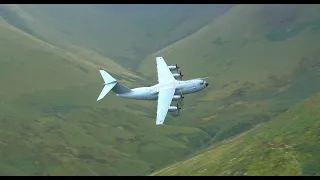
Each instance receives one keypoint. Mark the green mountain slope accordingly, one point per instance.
(125, 33)
(287, 145)
(260, 59)
(245, 41)
(51, 123)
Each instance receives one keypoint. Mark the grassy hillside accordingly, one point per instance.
(125, 33)
(52, 124)
(260, 59)
(288, 145)
(245, 41)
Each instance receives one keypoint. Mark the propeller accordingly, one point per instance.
(181, 75)
(182, 97)
(178, 108)
(181, 94)
(177, 67)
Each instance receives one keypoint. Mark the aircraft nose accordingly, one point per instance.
(207, 84)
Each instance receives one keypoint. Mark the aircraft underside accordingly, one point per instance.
(167, 90)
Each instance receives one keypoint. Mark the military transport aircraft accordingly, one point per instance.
(168, 89)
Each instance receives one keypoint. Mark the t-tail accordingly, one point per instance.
(111, 84)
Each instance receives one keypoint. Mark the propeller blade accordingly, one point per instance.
(181, 75)
(178, 106)
(182, 97)
(181, 94)
(177, 67)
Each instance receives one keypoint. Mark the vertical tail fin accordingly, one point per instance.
(111, 84)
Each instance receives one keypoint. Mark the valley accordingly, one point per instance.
(261, 105)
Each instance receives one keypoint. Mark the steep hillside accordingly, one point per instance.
(125, 33)
(260, 59)
(263, 40)
(51, 123)
(288, 145)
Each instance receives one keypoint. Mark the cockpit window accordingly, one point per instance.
(201, 83)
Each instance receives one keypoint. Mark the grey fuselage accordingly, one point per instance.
(151, 93)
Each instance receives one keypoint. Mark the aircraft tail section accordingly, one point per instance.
(106, 89)
(111, 84)
(120, 88)
(107, 77)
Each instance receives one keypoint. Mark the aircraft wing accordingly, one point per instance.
(164, 101)
(164, 74)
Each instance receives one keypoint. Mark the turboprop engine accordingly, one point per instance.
(178, 75)
(173, 67)
(174, 108)
(177, 97)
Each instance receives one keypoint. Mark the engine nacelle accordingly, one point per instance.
(172, 68)
(176, 75)
(176, 97)
(172, 108)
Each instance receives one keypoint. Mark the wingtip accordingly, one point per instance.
(159, 58)
(159, 122)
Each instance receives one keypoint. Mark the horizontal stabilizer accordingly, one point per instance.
(106, 77)
(106, 89)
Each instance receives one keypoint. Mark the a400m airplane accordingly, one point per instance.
(168, 89)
